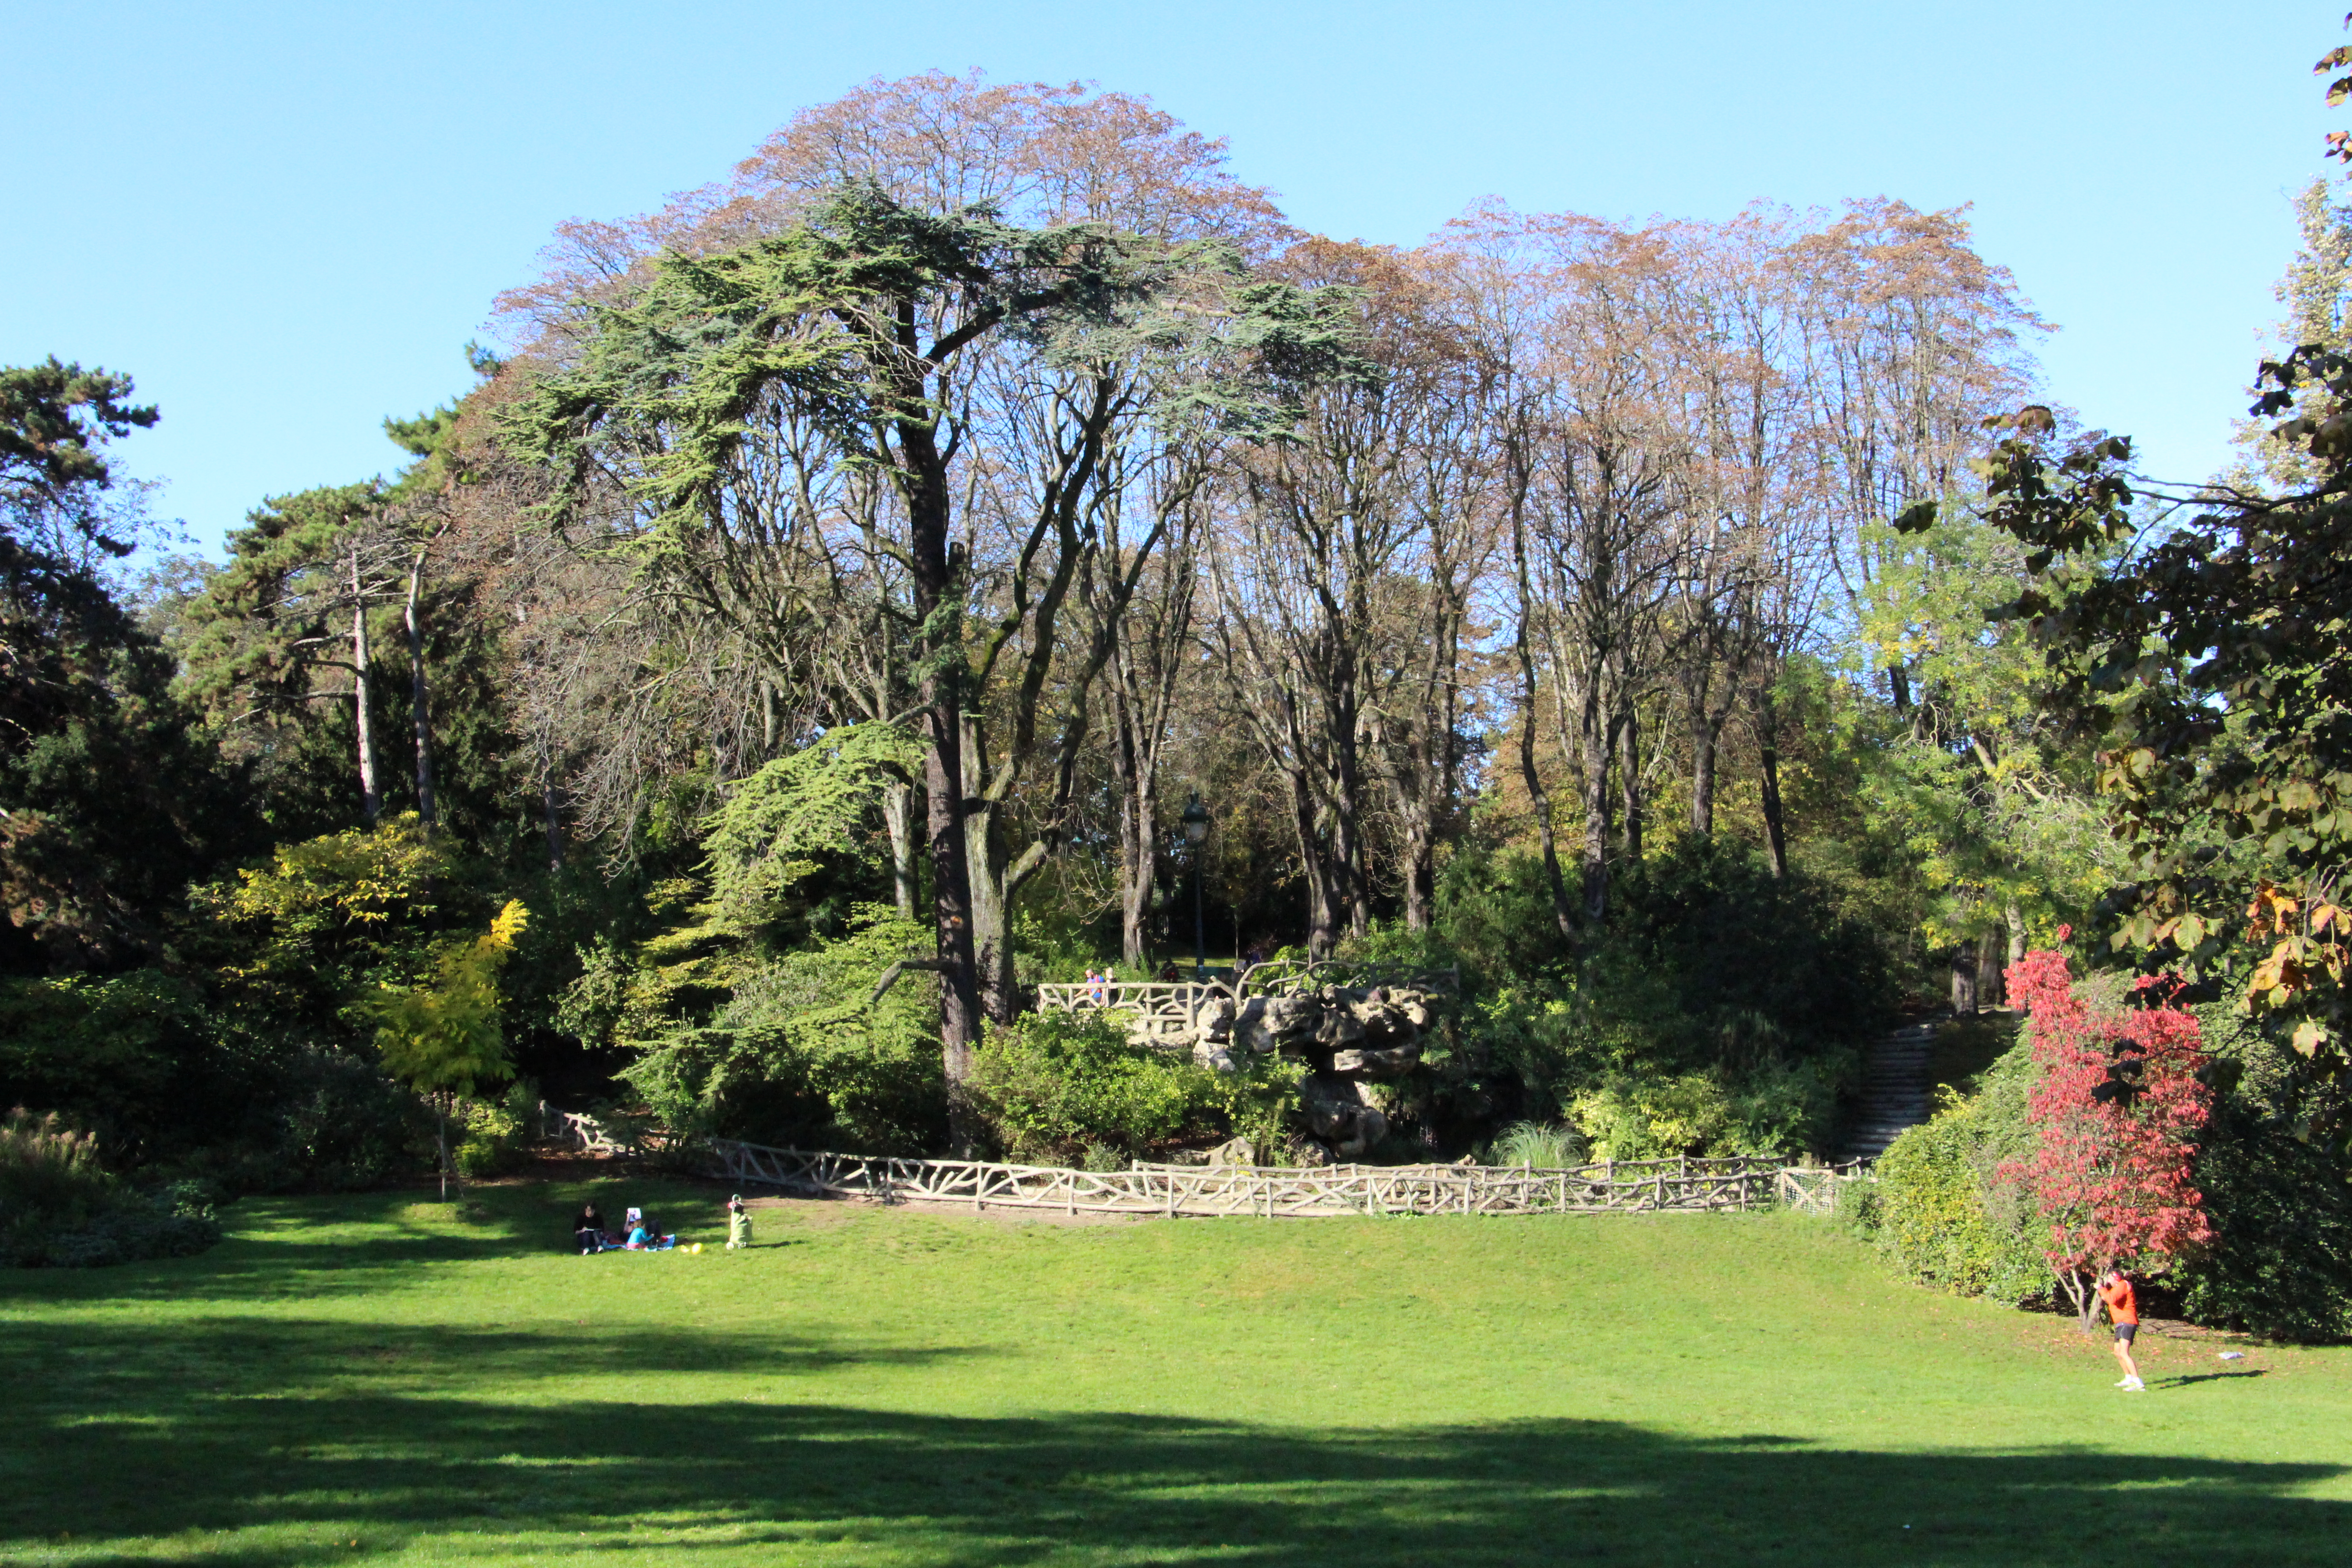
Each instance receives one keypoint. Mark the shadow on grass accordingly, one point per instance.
(301, 1438)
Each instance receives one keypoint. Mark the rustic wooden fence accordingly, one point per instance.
(1813, 1189)
(1160, 1011)
(1164, 1010)
(1268, 1191)
(570, 1129)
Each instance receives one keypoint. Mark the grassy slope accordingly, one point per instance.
(362, 1377)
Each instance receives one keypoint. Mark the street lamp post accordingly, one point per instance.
(1196, 830)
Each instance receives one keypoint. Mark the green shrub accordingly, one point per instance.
(497, 1134)
(2281, 1199)
(136, 1057)
(1055, 1086)
(1719, 1010)
(59, 1207)
(1943, 1211)
(800, 1053)
(343, 1126)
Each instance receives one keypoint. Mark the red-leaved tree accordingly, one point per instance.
(2116, 1110)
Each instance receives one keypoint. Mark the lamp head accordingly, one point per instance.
(1195, 819)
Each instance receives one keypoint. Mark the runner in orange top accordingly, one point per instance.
(2123, 1310)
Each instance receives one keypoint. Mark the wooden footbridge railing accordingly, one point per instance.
(1268, 1191)
(1162, 1011)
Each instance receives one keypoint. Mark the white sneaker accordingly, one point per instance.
(2133, 1385)
(2123, 1383)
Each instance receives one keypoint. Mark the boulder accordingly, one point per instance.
(1338, 1027)
(1289, 1018)
(1213, 1019)
(1336, 1112)
(1364, 1062)
(1250, 1029)
(1214, 1056)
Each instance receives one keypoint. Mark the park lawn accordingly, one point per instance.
(373, 1378)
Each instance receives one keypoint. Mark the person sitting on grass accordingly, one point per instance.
(2123, 1310)
(645, 1235)
(588, 1229)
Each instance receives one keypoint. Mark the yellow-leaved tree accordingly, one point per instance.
(444, 1039)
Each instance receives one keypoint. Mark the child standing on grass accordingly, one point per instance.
(739, 1223)
(2123, 1310)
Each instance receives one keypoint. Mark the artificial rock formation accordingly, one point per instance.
(1348, 1037)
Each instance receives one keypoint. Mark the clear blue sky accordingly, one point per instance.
(286, 220)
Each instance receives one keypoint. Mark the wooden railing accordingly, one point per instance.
(1162, 1011)
(1813, 1189)
(1264, 1191)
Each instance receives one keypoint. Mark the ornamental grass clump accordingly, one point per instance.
(1539, 1145)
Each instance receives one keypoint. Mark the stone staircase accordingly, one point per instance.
(1895, 1088)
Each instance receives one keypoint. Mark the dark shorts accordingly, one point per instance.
(2123, 1332)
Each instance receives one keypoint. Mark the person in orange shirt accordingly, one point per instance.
(2123, 1310)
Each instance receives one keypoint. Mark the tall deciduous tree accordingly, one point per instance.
(900, 342)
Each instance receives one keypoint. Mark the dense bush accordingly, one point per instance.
(1066, 1087)
(1719, 1010)
(336, 1123)
(172, 1086)
(797, 1052)
(2280, 1199)
(59, 1207)
(495, 1136)
(1943, 1209)
(136, 1057)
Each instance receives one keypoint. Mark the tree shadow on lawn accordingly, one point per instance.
(103, 1446)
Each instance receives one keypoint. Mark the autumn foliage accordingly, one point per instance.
(2117, 1113)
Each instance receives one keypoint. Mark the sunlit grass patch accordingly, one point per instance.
(885, 1387)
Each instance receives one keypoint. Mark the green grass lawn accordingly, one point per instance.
(369, 1378)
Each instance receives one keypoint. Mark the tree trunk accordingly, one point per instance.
(1964, 980)
(441, 1104)
(552, 819)
(362, 705)
(418, 711)
(899, 821)
(991, 918)
(1539, 798)
(1138, 857)
(1768, 745)
(935, 569)
(1597, 735)
(1629, 775)
(1420, 868)
(1322, 897)
(1990, 991)
(951, 904)
(1347, 813)
(1707, 745)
